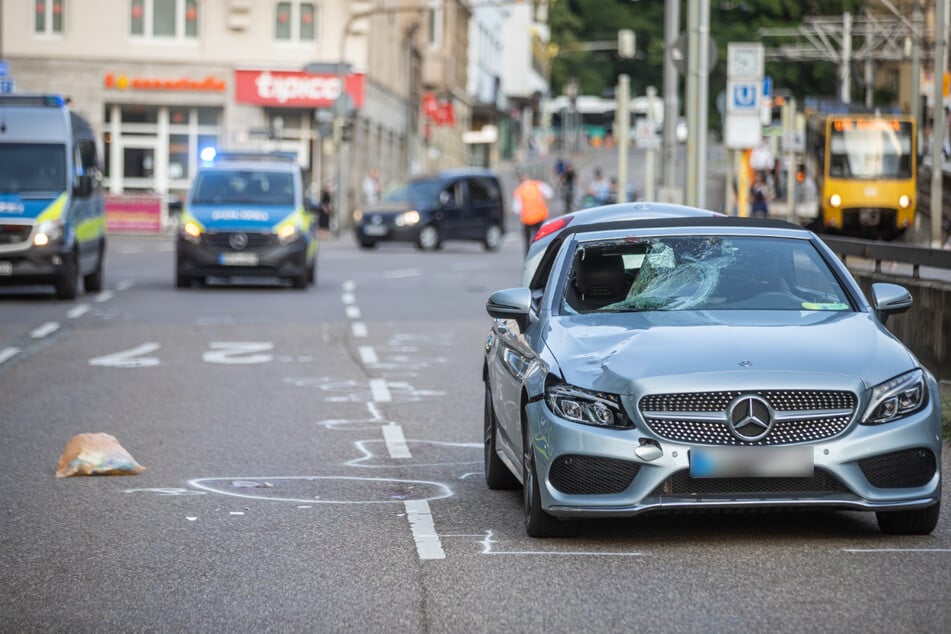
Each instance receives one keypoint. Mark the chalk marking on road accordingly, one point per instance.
(348, 298)
(368, 355)
(402, 274)
(896, 550)
(236, 513)
(165, 491)
(45, 330)
(353, 312)
(359, 329)
(374, 411)
(487, 542)
(349, 286)
(105, 296)
(395, 441)
(421, 523)
(129, 358)
(124, 285)
(379, 391)
(368, 454)
(8, 353)
(78, 311)
(440, 490)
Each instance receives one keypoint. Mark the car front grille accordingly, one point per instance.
(681, 484)
(901, 469)
(223, 239)
(702, 417)
(14, 234)
(591, 475)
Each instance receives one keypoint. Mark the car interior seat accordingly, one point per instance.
(600, 280)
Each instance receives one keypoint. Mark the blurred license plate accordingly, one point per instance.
(375, 230)
(238, 259)
(6, 268)
(756, 462)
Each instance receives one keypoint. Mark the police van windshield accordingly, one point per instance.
(244, 187)
(32, 168)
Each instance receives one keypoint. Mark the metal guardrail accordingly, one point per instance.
(889, 252)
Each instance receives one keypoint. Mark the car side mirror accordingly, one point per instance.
(890, 299)
(512, 303)
(82, 186)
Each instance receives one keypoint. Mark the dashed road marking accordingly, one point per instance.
(359, 329)
(368, 355)
(8, 353)
(78, 311)
(380, 391)
(421, 523)
(45, 330)
(105, 296)
(353, 312)
(395, 441)
(348, 298)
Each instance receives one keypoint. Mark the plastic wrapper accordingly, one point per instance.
(96, 454)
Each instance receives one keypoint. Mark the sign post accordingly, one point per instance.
(743, 127)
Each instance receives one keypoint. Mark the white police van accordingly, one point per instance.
(52, 214)
(247, 215)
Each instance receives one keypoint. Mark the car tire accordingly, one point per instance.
(429, 239)
(493, 238)
(916, 522)
(538, 523)
(312, 273)
(92, 283)
(497, 475)
(67, 284)
(367, 244)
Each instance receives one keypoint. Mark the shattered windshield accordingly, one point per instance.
(701, 273)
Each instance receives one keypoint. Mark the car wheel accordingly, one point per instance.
(67, 284)
(916, 522)
(93, 282)
(367, 244)
(538, 523)
(428, 239)
(493, 238)
(497, 475)
(312, 273)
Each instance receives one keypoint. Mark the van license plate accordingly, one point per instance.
(238, 259)
(6, 268)
(375, 230)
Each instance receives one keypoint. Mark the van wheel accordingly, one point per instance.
(312, 272)
(93, 282)
(493, 238)
(428, 239)
(367, 244)
(67, 284)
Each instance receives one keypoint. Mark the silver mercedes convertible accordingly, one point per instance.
(705, 362)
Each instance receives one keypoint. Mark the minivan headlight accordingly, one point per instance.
(407, 218)
(48, 233)
(896, 398)
(585, 406)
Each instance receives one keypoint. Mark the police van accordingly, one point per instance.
(247, 215)
(52, 214)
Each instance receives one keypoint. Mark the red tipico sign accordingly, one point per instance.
(295, 89)
(440, 112)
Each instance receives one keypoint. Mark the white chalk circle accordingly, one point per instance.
(324, 489)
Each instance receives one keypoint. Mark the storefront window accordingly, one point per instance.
(140, 114)
(208, 116)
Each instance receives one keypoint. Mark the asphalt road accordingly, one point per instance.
(314, 464)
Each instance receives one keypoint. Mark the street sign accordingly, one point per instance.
(744, 60)
(742, 131)
(645, 135)
(4, 68)
(7, 85)
(743, 96)
(678, 54)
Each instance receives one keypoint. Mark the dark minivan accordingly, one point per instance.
(460, 204)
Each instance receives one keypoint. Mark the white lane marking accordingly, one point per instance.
(368, 355)
(359, 329)
(131, 358)
(45, 330)
(353, 312)
(349, 286)
(78, 311)
(124, 285)
(105, 296)
(8, 353)
(395, 441)
(488, 541)
(896, 550)
(421, 523)
(379, 391)
(402, 274)
(348, 298)
(236, 512)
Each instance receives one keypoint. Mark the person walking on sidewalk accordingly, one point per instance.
(530, 202)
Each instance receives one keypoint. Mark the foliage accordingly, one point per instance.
(576, 21)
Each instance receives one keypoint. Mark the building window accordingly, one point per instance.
(48, 16)
(295, 21)
(164, 19)
(434, 19)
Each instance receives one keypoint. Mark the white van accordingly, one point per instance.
(52, 215)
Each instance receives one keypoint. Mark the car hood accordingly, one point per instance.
(699, 351)
(240, 217)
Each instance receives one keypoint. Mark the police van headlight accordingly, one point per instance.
(48, 232)
(288, 234)
(191, 231)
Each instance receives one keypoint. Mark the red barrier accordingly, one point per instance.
(134, 213)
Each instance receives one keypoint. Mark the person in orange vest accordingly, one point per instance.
(530, 202)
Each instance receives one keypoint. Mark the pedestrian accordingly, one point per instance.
(530, 202)
(759, 197)
(568, 186)
(600, 189)
(371, 187)
(326, 210)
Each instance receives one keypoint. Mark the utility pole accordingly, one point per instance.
(940, 120)
(623, 133)
(671, 99)
(698, 43)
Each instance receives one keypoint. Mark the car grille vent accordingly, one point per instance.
(682, 484)
(14, 234)
(802, 416)
(901, 469)
(590, 475)
(222, 240)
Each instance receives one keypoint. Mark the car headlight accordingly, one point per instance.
(357, 215)
(587, 407)
(191, 231)
(835, 200)
(896, 398)
(407, 219)
(904, 201)
(48, 232)
(288, 233)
